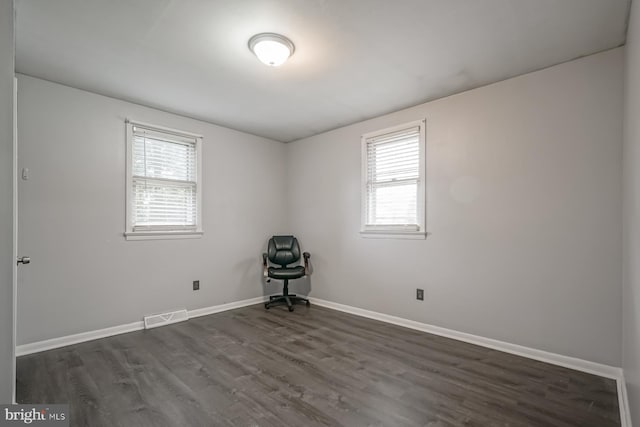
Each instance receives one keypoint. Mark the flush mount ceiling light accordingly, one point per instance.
(270, 48)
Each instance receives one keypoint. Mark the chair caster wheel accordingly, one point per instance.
(266, 305)
(291, 308)
(308, 303)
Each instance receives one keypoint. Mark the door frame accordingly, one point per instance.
(15, 233)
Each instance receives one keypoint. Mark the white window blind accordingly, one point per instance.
(164, 180)
(393, 180)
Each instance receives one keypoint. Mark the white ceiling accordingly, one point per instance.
(354, 59)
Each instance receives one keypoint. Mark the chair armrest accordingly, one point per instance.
(306, 256)
(265, 266)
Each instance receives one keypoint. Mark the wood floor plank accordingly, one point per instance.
(312, 367)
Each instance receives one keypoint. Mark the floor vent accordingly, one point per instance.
(162, 319)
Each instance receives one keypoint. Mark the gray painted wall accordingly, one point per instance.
(6, 200)
(524, 200)
(631, 222)
(84, 275)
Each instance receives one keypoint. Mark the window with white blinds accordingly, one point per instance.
(393, 180)
(163, 181)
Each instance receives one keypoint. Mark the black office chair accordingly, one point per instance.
(283, 251)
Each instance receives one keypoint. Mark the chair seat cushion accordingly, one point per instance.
(286, 272)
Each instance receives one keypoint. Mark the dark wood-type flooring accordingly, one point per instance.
(312, 367)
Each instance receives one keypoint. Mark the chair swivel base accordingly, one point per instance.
(290, 300)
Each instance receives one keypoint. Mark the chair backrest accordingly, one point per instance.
(283, 250)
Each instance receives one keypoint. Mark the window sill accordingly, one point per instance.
(162, 235)
(384, 234)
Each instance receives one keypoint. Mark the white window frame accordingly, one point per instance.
(393, 231)
(161, 233)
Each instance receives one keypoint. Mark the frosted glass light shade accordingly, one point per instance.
(270, 48)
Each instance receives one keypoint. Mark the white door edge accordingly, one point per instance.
(15, 232)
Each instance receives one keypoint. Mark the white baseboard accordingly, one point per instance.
(224, 307)
(594, 368)
(50, 344)
(531, 353)
(623, 403)
(38, 346)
